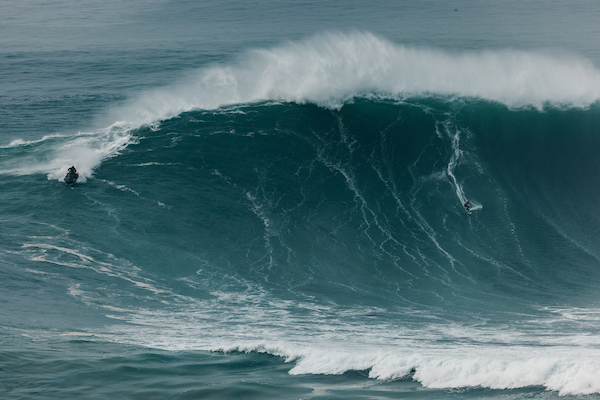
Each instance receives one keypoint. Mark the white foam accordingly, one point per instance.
(21, 142)
(54, 154)
(324, 340)
(562, 369)
(331, 69)
(87, 152)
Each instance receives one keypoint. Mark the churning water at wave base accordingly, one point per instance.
(306, 202)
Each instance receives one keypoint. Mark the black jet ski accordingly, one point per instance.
(71, 176)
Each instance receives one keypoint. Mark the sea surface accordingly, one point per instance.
(270, 199)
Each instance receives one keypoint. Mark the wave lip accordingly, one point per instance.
(331, 69)
(338, 66)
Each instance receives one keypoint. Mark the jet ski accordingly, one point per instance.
(71, 176)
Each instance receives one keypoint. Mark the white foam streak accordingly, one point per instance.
(332, 69)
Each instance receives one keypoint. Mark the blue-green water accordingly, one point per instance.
(270, 200)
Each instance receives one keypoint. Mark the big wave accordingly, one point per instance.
(330, 70)
(336, 240)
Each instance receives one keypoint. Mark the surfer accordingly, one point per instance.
(72, 175)
(468, 206)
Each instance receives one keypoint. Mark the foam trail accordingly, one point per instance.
(54, 154)
(454, 159)
(331, 69)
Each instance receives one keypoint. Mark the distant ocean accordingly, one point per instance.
(270, 200)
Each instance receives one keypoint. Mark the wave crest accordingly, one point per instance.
(331, 69)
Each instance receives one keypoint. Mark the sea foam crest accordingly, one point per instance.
(330, 69)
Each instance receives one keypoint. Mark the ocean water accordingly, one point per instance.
(270, 200)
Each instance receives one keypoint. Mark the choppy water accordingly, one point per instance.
(270, 200)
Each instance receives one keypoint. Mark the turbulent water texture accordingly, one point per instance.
(305, 201)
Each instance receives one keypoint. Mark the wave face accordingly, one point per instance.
(273, 207)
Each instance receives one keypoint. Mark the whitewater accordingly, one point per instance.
(330, 70)
(284, 218)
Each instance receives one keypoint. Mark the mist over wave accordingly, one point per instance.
(332, 69)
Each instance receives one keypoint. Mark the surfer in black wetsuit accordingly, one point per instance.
(467, 205)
